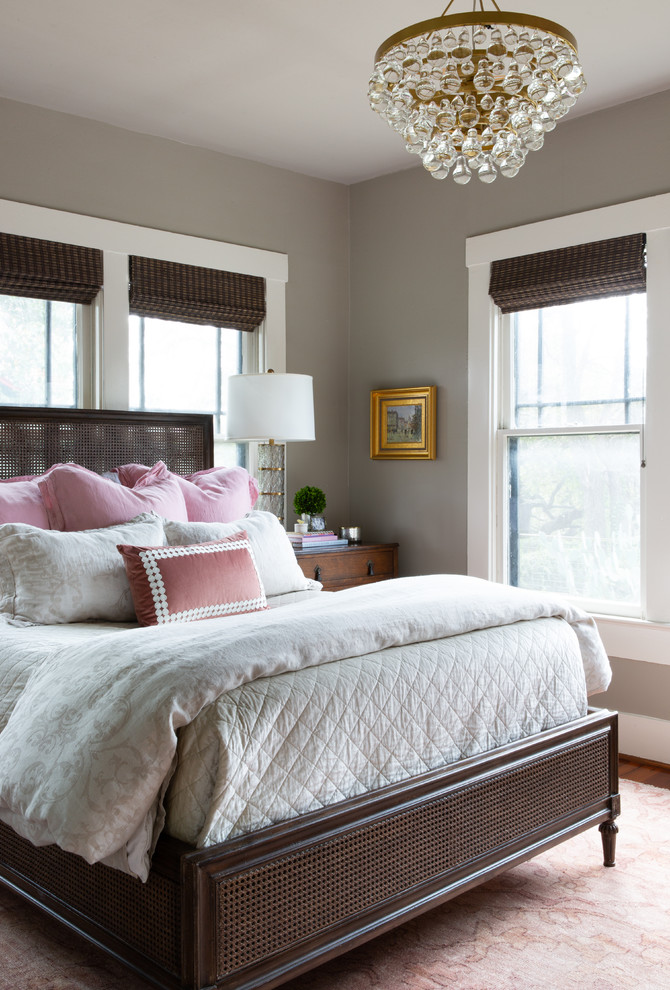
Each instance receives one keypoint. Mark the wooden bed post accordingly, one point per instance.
(608, 833)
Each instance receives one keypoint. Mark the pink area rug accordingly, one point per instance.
(558, 922)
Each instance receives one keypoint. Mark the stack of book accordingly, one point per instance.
(326, 540)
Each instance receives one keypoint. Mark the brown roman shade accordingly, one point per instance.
(190, 294)
(614, 267)
(41, 269)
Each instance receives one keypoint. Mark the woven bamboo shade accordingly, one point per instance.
(613, 267)
(190, 294)
(40, 269)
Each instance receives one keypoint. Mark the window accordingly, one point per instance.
(187, 332)
(595, 405)
(570, 449)
(45, 286)
(180, 366)
(38, 352)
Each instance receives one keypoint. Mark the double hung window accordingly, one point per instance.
(46, 289)
(573, 359)
(191, 328)
(570, 449)
(559, 497)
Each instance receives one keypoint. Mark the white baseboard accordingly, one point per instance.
(644, 737)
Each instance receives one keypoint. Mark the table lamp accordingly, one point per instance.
(274, 409)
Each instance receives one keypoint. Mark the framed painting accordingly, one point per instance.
(402, 423)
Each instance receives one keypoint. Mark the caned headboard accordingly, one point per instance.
(33, 438)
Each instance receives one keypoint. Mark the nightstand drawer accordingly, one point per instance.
(352, 565)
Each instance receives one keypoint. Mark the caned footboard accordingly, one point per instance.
(254, 911)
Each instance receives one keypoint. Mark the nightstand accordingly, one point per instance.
(359, 563)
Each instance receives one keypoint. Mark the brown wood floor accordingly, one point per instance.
(657, 774)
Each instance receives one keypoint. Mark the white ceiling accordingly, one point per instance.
(283, 83)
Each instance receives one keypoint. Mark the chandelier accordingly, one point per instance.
(475, 92)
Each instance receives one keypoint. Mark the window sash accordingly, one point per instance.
(503, 494)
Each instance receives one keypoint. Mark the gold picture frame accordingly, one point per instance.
(403, 423)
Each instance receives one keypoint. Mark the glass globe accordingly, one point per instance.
(461, 173)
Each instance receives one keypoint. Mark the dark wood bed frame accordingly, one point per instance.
(255, 911)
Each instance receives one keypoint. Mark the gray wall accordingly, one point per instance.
(69, 163)
(638, 688)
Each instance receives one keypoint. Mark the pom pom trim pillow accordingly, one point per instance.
(186, 583)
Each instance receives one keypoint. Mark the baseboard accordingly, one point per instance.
(644, 737)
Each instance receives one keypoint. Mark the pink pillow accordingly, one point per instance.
(182, 584)
(218, 494)
(20, 501)
(77, 499)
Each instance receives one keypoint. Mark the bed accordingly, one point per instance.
(266, 904)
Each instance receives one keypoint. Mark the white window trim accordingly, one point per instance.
(117, 241)
(635, 639)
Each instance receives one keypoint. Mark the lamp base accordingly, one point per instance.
(271, 479)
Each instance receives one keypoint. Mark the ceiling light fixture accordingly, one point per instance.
(475, 92)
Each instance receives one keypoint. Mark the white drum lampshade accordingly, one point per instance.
(270, 407)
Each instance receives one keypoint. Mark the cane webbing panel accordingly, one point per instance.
(145, 916)
(32, 447)
(39, 269)
(612, 267)
(274, 906)
(172, 291)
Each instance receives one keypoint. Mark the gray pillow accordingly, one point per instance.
(49, 577)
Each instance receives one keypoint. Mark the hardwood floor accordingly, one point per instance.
(645, 772)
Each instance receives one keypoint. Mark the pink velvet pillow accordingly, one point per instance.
(218, 494)
(77, 499)
(21, 501)
(182, 584)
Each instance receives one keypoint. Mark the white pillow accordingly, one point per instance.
(49, 577)
(277, 565)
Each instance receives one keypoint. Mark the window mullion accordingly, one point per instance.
(115, 333)
(47, 352)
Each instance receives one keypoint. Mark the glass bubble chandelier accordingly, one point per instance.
(473, 93)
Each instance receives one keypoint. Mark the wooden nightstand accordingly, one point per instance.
(359, 563)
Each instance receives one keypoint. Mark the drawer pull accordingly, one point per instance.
(371, 568)
(317, 573)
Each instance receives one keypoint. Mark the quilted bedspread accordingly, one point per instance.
(90, 744)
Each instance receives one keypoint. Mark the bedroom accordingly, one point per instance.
(353, 250)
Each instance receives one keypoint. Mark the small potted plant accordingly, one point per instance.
(309, 503)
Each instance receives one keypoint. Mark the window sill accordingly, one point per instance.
(635, 639)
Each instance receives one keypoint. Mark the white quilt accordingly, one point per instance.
(283, 746)
(90, 743)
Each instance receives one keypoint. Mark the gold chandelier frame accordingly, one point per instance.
(490, 18)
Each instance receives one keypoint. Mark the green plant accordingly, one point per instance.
(310, 501)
